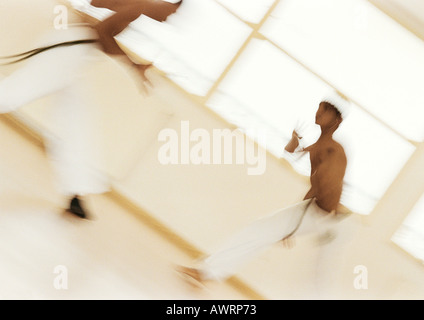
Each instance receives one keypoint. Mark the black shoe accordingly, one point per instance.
(76, 208)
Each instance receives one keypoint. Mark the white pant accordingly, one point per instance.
(250, 242)
(58, 72)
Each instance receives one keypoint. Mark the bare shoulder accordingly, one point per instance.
(335, 149)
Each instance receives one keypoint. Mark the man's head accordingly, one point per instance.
(333, 109)
(328, 116)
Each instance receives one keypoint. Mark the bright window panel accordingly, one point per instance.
(410, 236)
(248, 10)
(361, 51)
(267, 92)
(193, 46)
(375, 154)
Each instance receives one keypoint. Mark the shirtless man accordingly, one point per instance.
(315, 214)
(328, 159)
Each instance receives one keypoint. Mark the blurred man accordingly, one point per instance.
(57, 68)
(317, 213)
(59, 73)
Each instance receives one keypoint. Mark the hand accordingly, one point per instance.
(293, 143)
(295, 135)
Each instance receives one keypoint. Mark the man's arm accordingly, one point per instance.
(114, 25)
(293, 143)
(111, 27)
(113, 5)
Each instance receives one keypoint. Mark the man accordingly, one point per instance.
(317, 213)
(60, 73)
(58, 69)
(328, 159)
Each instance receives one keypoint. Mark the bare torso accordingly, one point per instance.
(328, 166)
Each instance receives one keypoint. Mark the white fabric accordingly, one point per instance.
(58, 72)
(253, 240)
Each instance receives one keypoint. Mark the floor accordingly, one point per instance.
(47, 254)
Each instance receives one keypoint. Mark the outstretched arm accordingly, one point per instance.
(126, 11)
(113, 5)
(114, 25)
(293, 143)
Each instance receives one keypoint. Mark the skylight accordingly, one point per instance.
(360, 50)
(248, 10)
